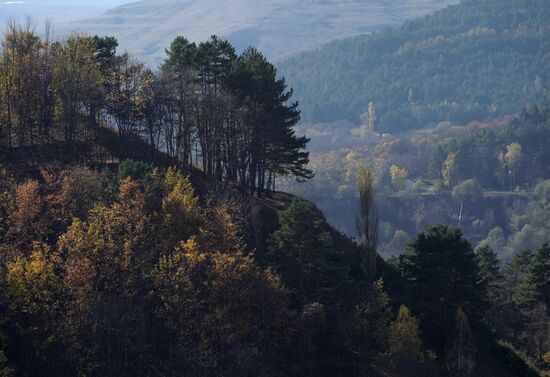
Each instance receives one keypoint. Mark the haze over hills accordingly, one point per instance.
(54, 10)
(278, 28)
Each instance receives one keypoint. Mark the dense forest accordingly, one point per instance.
(141, 235)
(475, 60)
(126, 272)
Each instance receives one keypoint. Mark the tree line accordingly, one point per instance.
(208, 107)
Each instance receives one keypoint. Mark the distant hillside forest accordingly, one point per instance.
(491, 179)
(475, 60)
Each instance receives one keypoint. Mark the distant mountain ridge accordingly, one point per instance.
(56, 11)
(278, 28)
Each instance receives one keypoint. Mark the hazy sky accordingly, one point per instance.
(55, 10)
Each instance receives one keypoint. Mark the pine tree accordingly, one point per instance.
(537, 283)
(489, 271)
(442, 270)
(299, 251)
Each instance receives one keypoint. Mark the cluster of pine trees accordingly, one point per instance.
(207, 107)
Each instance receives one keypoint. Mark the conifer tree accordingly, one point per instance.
(443, 273)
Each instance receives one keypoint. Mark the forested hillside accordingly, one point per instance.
(207, 106)
(475, 60)
(141, 235)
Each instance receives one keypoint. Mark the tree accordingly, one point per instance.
(398, 177)
(180, 56)
(312, 326)
(463, 352)
(369, 328)
(198, 291)
(224, 225)
(22, 58)
(33, 286)
(512, 160)
(404, 344)
(76, 82)
(299, 251)
(27, 223)
(538, 333)
(369, 119)
(106, 324)
(538, 276)
(442, 271)
(181, 213)
(515, 273)
(449, 171)
(274, 147)
(509, 318)
(366, 222)
(489, 271)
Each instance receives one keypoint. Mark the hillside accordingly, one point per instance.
(470, 61)
(54, 10)
(141, 233)
(278, 28)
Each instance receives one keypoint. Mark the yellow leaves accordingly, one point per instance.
(32, 280)
(449, 170)
(180, 207)
(398, 177)
(26, 218)
(223, 226)
(404, 340)
(365, 177)
(512, 156)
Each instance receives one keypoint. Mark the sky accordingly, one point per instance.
(55, 10)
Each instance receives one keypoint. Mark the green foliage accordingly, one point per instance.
(538, 276)
(136, 170)
(468, 190)
(301, 250)
(444, 67)
(489, 271)
(443, 276)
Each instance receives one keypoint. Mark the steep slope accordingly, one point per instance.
(278, 27)
(477, 59)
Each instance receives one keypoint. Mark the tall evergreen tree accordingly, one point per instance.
(443, 274)
(300, 250)
(489, 271)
